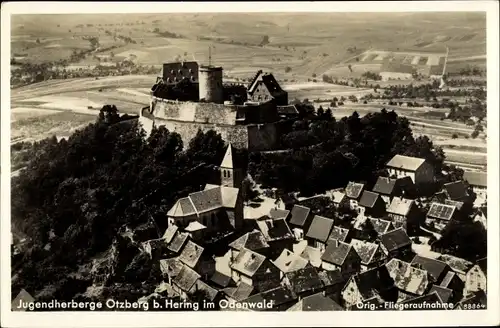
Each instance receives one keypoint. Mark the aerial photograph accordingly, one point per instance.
(279, 161)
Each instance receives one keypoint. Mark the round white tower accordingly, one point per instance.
(210, 84)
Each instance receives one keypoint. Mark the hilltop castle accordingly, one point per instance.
(188, 97)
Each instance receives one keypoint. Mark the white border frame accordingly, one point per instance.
(252, 319)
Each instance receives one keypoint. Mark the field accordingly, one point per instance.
(300, 48)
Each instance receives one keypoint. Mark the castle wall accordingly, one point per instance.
(263, 136)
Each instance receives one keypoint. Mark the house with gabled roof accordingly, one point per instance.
(170, 233)
(478, 181)
(457, 191)
(277, 214)
(316, 302)
(254, 241)
(264, 88)
(300, 220)
(445, 294)
(436, 269)
(369, 284)
(177, 242)
(212, 295)
(380, 226)
(476, 277)
(440, 215)
(395, 243)
(251, 267)
(339, 234)
(455, 283)
(410, 280)
(333, 282)
(389, 188)
(277, 235)
(341, 256)
(198, 259)
(170, 268)
(239, 292)
(288, 261)
(319, 231)
(353, 191)
(371, 204)
(370, 254)
(220, 280)
(404, 213)
(286, 201)
(184, 281)
(215, 207)
(304, 282)
(418, 169)
(281, 298)
(339, 199)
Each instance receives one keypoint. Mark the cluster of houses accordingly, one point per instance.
(298, 260)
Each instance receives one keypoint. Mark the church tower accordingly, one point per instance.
(231, 174)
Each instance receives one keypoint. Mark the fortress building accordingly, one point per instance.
(188, 97)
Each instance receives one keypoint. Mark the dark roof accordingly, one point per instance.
(171, 70)
(191, 254)
(248, 262)
(441, 211)
(330, 278)
(186, 278)
(368, 199)
(447, 280)
(171, 266)
(210, 291)
(385, 186)
(456, 190)
(431, 298)
(316, 302)
(220, 279)
(373, 282)
(353, 190)
(306, 279)
(320, 228)
(178, 241)
(443, 292)
(240, 292)
(379, 225)
(272, 85)
(299, 215)
(338, 233)
(206, 200)
(479, 179)
(458, 205)
(435, 268)
(395, 239)
(336, 253)
(274, 230)
(483, 264)
(287, 110)
(253, 240)
(278, 214)
(365, 250)
(279, 296)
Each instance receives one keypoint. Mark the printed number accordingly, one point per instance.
(474, 306)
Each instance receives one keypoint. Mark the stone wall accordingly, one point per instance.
(262, 136)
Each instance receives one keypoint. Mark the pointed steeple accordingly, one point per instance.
(227, 161)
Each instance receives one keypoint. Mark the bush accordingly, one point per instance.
(454, 136)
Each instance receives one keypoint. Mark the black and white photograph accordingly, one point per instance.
(226, 159)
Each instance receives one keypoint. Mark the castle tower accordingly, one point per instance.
(210, 84)
(231, 175)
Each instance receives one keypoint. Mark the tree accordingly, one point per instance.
(288, 69)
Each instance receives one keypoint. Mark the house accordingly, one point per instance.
(440, 215)
(254, 241)
(212, 294)
(184, 281)
(339, 199)
(215, 207)
(264, 88)
(251, 268)
(436, 269)
(278, 214)
(195, 231)
(300, 220)
(333, 281)
(380, 226)
(371, 204)
(458, 265)
(316, 302)
(178, 242)
(431, 301)
(445, 294)
(370, 254)
(170, 233)
(338, 234)
(475, 301)
(277, 235)
(388, 188)
(476, 277)
(458, 205)
(221, 281)
(288, 111)
(410, 281)
(396, 243)
(23, 296)
(481, 217)
(341, 256)
(452, 281)
(313, 255)
(170, 268)
(198, 259)
(478, 181)
(369, 284)
(404, 213)
(280, 298)
(418, 169)
(239, 293)
(353, 192)
(285, 202)
(289, 262)
(304, 282)
(319, 231)
(456, 191)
